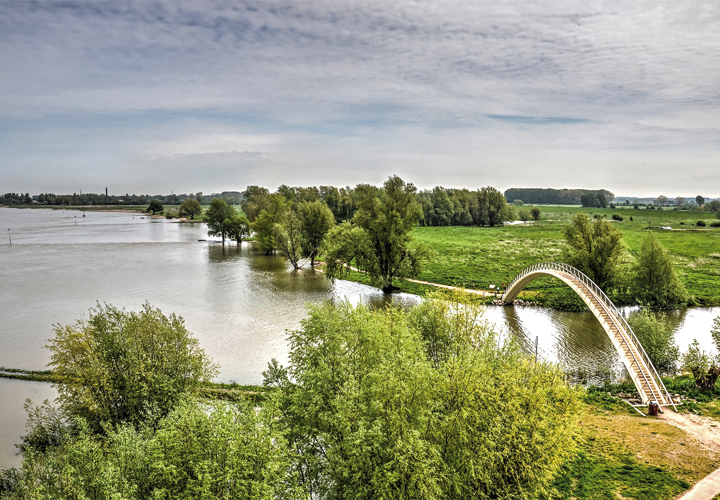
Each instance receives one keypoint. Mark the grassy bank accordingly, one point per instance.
(477, 257)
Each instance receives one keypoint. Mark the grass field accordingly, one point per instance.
(476, 257)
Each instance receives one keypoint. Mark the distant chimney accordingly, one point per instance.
(105, 193)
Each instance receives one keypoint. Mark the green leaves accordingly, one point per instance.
(123, 366)
(655, 283)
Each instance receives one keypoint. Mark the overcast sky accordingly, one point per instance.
(152, 97)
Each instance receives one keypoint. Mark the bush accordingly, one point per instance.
(655, 283)
(715, 224)
(126, 366)
(657, 338)
(701, 223)
(617, 217)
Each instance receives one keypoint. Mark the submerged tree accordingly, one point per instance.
(237, 228)
(316, 220)
(288, 237)
(216, 215)
(378, 241)
(155, 206)
(655, 283)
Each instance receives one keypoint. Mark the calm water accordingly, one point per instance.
(237, 302)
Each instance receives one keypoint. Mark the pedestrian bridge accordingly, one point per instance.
(634, 358)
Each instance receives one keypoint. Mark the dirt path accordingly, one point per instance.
(705, 431)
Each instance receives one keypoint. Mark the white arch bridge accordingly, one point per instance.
(641, 370)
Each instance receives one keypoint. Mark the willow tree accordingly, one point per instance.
(655, 284)
(595, 248)
(378, 241)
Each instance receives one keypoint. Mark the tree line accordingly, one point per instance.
(557, 196)
(230, 197)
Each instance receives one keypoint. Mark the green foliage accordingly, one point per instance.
(216, 214)
(524, 215)
(288, 237)
(491, 208)
(237, 228)
(535, 212)
(564, 299)
(125, 366)
(594, 248)
(703, 366)
(518, 203)
(701, 223)
(155, 206)
(190, 208)
(655, 283)
(316, 220)
(208, 450)
(426, 404)
(657, 338)
(379, 241)
(265, 222)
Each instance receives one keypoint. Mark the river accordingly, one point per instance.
(236, 301)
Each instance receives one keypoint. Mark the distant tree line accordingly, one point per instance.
(557, 196)
(230, 197)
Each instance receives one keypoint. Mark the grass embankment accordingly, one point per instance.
(212, 390)
(477, 257)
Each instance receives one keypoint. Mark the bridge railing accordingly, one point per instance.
(628, 334)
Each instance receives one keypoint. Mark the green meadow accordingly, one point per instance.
(477, 257)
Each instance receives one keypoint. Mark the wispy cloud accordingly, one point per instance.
(346, 90)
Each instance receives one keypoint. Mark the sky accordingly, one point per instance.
(154, 97)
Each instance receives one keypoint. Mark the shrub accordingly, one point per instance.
(617, 217)
(657, 338)
(701, 223)
(715, 224)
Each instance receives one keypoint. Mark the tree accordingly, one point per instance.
(594, 248)
(535, 212)
(199, 197)
(190, 208)
(215, 217)
(518, 203)
(316, 220)
(657, 338)
(702, 365)
(662, 200)
(679, 201)
(237, 228)
(122, 367)
(155, 206)
(655, 283)
(524, 215)
(700, 200)
(379, 241)
(427, 404)
(713, 206)
(288, 237)
(491, 207)
(264, 224)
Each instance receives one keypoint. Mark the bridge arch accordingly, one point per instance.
(641, 370)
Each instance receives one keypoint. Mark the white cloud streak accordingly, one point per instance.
(625, 95)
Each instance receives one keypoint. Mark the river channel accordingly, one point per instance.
(236, 301)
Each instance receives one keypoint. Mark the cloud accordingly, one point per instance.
(327, 88)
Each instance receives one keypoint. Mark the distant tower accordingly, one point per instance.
(105, 194)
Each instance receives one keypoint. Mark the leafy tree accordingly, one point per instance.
(601, 200)
(535, 212)
(200, 450)
(657, 338)
(216, 214)
(190, 208)
(123, 366)
(288, 237)
(491, 207)
(702, 365)
(255, 201)
(524, 215)
(237, 228)
(594, 248)
(427, 404)
(700, 200)
(316, 220)
(518, 203)
(662, 200)
(199, 197)
(155, 206)
(713, 206)
(267, 219)
(679, 201)
(655, 283)
(378, 242)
